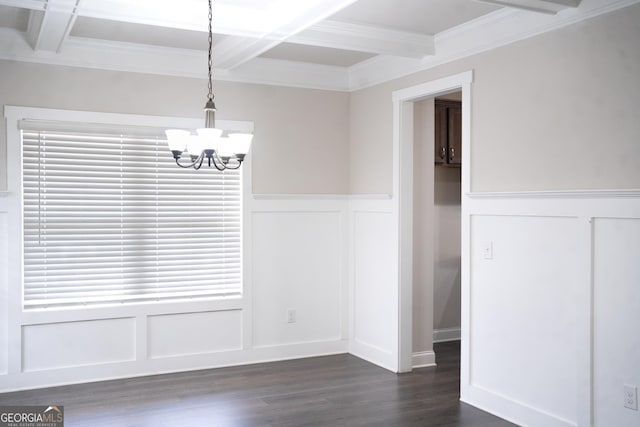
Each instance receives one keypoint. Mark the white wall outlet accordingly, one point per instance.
(291, 316)
(631, 397)
(487, 250)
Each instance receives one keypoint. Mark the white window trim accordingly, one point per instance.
(17, 315)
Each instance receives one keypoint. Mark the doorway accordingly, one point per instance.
(403, 132)
(447, 218)
(436, 225)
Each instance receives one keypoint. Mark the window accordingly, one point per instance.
(110, 218)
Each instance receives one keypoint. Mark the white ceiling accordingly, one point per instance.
(330, 44)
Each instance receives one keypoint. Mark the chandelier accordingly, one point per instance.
(222, 152)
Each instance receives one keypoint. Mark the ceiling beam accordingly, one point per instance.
(25, 4)
(231, 52)
(364, 38)
(550, 7)
(191, 15)
(48, 29)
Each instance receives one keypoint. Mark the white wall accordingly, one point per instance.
(372, 275)
(616, 243)
(296, 259)
(4, 283)
(552, 313)
(524, 315)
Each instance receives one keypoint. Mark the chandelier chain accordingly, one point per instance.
(220, 152)
(210, 48)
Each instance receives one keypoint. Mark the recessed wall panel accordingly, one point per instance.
(194, 333)
(297, 258)
(4, 307)
(71, 344)
(525, 282)
(374, 282)
(616, 322)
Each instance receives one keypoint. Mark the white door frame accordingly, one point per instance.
(403, 100)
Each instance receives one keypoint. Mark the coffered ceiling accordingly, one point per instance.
(329, 44)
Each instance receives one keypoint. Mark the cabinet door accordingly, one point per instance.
(454, 155)
(441, 134)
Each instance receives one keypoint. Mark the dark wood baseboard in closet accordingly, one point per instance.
(339, 390)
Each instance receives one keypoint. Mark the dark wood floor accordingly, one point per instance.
(337, 390)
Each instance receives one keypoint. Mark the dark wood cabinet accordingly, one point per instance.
(448, 135)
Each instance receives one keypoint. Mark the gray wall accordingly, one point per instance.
(558, 111)
(301, 135)
(446, 274)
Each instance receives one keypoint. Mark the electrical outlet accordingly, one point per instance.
(487, 250)
(631, 397)
(291, 316)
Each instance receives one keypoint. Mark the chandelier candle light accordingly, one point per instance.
(221, 152)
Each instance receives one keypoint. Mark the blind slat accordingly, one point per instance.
(109, 219)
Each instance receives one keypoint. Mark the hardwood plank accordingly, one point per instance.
(339, 390)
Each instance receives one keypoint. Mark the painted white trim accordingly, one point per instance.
(321, 197)
(557, 194)
(500, 28)
(366, 38)
(371, 353)
(511, 410)
(403, 201)
(17, 113)
(488, 32)
(445, 335)
(165, 365)
(423, 359)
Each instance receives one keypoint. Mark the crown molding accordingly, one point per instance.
(489, 32)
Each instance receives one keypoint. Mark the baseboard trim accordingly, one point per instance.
(423, 359)
(511, 410)
(448, 334)
(374, 354)
(169, 365)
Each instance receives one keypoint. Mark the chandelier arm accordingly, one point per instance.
(226, 165)
(237, 166)
(198, 162)
(217, 162)
(192, 164)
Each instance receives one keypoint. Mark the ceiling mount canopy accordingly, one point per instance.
(221, 152)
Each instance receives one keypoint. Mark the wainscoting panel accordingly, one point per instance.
(551, 305)
(375, 277)
(295, 258)
(187, 334)
(297, 267)
(616, 252)
(4, 281)
(523, 316)
(73, 344)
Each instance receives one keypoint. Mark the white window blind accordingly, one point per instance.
(110, 218)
